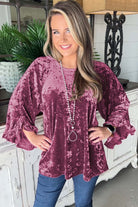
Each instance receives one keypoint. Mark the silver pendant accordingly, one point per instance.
(72, 136)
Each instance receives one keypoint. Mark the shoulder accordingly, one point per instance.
(44, 61)
(107, 76)
(101, 68)
(41, 65)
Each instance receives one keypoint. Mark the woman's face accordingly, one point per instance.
(62, 39)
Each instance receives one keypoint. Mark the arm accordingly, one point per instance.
(97, 134)
(40, 141)
(24, 105)
(114, 106)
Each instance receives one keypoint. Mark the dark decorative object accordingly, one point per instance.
(114, 41)
(92, 22)
(39, 1)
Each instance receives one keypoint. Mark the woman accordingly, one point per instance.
(68, 87)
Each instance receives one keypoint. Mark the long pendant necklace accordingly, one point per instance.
(72, 137)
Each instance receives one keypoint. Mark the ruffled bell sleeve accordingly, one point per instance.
(24, 105)
(114, 106)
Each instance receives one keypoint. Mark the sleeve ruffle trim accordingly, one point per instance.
(16, 135)
(120, 134)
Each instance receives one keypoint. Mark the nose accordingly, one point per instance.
(63, 37)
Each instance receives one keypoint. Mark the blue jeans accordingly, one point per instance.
(49, 189)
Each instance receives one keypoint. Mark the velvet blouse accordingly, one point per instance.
(42, 89)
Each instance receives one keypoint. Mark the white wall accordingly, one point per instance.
(5, 16)
(129, 63)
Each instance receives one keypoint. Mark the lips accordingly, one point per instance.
(64, 47)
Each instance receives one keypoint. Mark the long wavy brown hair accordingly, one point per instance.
(85, 76)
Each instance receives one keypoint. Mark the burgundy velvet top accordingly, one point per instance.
(42, 89)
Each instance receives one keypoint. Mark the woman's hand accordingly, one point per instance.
(97, 134)
(40, 141)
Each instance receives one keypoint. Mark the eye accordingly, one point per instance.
(67, 30)
(55, 32)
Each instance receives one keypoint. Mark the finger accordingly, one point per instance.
(41, 148)
(93, 128)
(97, 140)
(45, 145)
(94, 135)
(48, 140)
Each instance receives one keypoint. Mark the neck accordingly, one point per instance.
(69, 62)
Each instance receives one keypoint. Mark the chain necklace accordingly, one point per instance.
(72, 137)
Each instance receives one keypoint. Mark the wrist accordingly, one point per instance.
(30, 134)
(111, 128)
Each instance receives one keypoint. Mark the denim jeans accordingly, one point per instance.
(49, 189)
